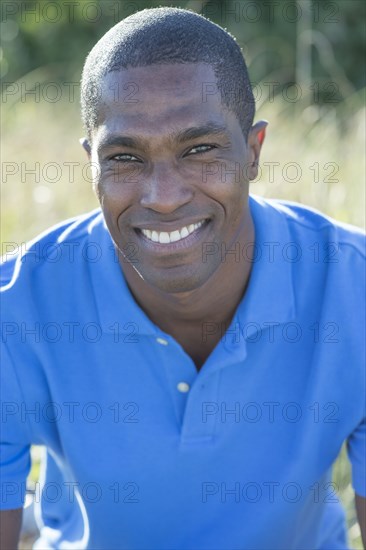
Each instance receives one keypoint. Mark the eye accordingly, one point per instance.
(204, 148)
(124, 157)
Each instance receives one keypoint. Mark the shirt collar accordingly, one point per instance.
(117, 309)
(269, 297)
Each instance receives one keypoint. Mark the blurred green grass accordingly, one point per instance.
(327, 142)
(327, 145)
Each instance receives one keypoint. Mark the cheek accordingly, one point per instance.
(116, 194)
(109, 178)
(226, 174)
(233, 197)
(228, 192)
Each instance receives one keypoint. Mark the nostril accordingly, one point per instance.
(166, 198)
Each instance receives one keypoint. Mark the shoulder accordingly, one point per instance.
(60, 245)
(306, 224)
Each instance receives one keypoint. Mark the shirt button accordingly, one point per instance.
(162, 341)
(183, 387)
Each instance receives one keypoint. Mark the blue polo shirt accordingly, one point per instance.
(144, 452)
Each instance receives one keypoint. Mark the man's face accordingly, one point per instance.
(170, 157)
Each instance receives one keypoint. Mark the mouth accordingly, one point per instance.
(179, 239)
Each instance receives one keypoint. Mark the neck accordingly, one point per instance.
(215, 301)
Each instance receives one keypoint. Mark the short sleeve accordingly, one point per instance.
(15, 440)
(356, 447)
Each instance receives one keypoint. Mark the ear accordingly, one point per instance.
(255, 141)
(86, 145)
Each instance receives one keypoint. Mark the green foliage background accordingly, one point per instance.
(267, 29)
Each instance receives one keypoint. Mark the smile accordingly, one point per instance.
(163, 237)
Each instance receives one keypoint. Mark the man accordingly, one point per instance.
(190, 365)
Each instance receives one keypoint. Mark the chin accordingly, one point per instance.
(175, 285)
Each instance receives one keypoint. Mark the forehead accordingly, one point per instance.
(159, 98)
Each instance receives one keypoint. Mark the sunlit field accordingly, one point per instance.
(312, 154)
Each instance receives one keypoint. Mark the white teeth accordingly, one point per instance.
(175, 236)
(164, 238)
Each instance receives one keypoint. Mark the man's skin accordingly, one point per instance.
(165, 186)
(10, 524)
(161, 182)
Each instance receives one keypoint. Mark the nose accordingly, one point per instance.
(166, 190)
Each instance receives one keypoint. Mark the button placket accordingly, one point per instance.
(199, 420)
(162, 341)
(180, 373)
(183, 387)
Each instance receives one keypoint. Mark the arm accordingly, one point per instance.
(361, 516)
(10, 524)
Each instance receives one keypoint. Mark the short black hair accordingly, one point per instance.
(169, 35)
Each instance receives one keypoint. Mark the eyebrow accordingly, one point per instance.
(211, 128)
